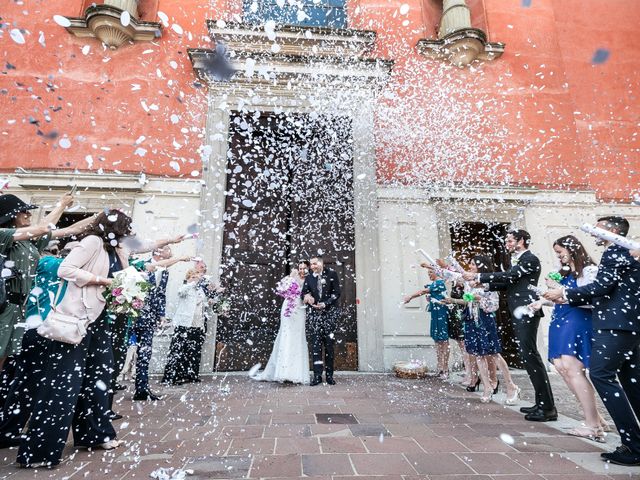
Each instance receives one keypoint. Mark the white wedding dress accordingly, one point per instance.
(289, 360)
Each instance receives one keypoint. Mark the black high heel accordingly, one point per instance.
(473, 388)
(495, 390)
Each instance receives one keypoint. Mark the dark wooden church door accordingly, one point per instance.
(289, 196)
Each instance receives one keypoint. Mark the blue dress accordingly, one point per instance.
(48, 282)
(439, 313)
(480, 328)
(570, 330)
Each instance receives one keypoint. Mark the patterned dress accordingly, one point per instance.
(480, 330)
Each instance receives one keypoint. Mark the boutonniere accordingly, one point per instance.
(323, 281)
(555, 276)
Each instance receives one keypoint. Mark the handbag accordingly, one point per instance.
(63, 328)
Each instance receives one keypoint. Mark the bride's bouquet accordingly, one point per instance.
(290, 289)
(127, 292)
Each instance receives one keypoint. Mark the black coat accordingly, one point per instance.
(516, 280)
(330, 288)
(615, 293)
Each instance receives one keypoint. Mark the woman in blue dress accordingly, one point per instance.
(439, 329)
(481, 333)
(570, 333)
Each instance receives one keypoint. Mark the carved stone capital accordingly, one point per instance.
(104, 23)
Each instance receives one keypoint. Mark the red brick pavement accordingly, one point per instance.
(231, 427)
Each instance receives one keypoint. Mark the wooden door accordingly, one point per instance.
(289, 196)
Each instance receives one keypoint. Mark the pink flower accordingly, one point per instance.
(137, 304)
(116, 292)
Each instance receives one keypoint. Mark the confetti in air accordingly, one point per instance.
(600, 56)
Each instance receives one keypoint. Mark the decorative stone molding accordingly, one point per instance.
(105, 22)
(47, 180)
(458, 42)
(332, 54)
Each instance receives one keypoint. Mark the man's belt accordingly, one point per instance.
(16, 298)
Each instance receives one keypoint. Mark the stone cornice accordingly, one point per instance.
(522, 195)
(302, 54)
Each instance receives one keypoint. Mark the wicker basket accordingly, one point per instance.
(410, 369)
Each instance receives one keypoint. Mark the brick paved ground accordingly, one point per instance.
(366, 426)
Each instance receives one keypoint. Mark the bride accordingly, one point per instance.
(289, 360)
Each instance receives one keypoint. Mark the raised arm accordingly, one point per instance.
(45, 225)
(152, 266)
(515, 273)
(75, 229)
(150, 247)
(417, 294)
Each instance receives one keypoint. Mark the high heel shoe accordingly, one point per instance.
(484, 399)
(512, 400)
(473, 388)
(495, 390)
(590, 433)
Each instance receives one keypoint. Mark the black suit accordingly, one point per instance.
(516, 282)
(321, 324)
(145, 326)
(615, 296)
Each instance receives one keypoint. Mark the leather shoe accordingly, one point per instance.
(331, 381)
(119, 387)
(114, 416)
(541, 415)
(9, 442)
(316, 381)
(146, 395)
(530, 409)
(622, 455)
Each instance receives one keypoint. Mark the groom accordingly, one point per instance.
(321, 291)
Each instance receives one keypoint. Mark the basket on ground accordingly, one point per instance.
(410, 369)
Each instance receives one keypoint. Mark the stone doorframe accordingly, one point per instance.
(288, 98)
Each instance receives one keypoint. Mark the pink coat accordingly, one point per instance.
(86, 261)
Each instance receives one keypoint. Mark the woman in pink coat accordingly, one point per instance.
(74, 390)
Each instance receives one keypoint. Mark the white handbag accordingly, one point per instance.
(63, 328)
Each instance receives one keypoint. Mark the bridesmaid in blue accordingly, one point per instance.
(439, 329)
(570, 333)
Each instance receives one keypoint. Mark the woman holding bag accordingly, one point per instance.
(74, 390)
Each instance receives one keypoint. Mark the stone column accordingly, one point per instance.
(368, 286)
(130, 6)
(455, 16)
(212, 204)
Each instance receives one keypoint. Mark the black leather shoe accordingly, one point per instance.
(115, 416)
(119, 387)
(316, 381)
(147, 395)
(622, 456)
(9, 442)
(495, 390)
(542, 415)
(530, 409)
(331, 381)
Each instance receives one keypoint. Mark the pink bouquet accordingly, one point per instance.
(290, 290)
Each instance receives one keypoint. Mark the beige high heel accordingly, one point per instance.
(512, 400)
(590, 433)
